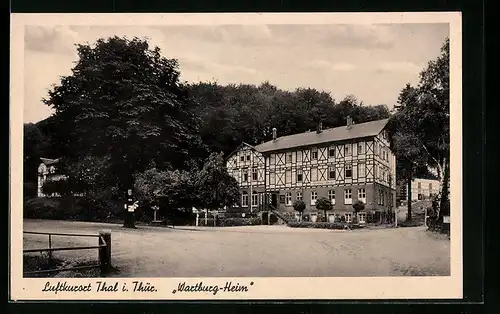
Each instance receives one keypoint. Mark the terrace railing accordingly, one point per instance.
(103, 246)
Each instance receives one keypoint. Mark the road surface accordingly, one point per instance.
(254, 251)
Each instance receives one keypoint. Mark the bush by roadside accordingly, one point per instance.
(229, 222)
(411, 223)
(324, 225)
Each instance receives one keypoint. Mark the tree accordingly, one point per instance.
(299, 206)
(435, 120)
(325, 205)
(34, 146)
(124, 100)
(216, 188)
(172, 191)
(358, 206)
(420, 129)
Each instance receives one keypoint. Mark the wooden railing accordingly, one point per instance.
(275, 211)
(103, 246)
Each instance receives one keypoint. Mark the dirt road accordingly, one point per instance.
(257, 251)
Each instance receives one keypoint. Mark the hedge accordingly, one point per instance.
(323, 225)
(229, 222)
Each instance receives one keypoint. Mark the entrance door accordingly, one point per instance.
(265, 218)
(274, 200)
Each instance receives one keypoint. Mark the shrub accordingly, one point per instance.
(323, 225)
(411, 223)
(299, 206)
(357, 206)
(229, 222)
(325, 205)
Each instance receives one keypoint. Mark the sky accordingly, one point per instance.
(372, 61)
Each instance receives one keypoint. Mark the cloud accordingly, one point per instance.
(340, 36)
(398, 67)
(222, 34)
(336, 35)
(199, 64)
(57, 39)
(326, 65)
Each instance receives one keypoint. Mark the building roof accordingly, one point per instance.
(238, 148)
(367, 129)
(48, 161)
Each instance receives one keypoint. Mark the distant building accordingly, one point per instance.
(345, 164)
(421, 189)
(48, 171)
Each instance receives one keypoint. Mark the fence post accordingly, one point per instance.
(105, 251)
(50, 250)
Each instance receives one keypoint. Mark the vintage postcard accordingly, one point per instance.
(236, 156)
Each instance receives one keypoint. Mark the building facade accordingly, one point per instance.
(344, 164)
(48, 171)
(421, 189)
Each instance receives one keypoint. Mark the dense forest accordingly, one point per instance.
(123, 118)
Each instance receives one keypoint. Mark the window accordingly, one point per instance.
(348, 150)
(361, 170)
(348, 171)
(299, 196)
(242, 158)
(331, 196)
(348, 196)
(430, 187)
(361, 148)
(288, 176)
(299, 156)
(254, 174)
(331, 172)
(244, 198)
(314, 174)
(314, 197)
(299, 175)
(248, 157)
(255, 198)
(289, 157)
(381, 197)
(314, 153)
(245, 175)
(362, 195)
(362, 218)
(288, 199)
(419, 184)
(331, 151)
(348, 217)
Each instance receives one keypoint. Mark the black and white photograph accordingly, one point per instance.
(236, 150)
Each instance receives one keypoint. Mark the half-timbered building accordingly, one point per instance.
(247, 166)
(345, 164)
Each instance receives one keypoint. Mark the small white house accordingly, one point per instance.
(47, 171)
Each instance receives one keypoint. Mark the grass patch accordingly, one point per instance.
(40, 262)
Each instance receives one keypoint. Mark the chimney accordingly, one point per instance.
(274, 134)
(349, 122)
(320, 127)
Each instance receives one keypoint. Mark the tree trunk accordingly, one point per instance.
(408, 192)
(444, 203)
(326, 218)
